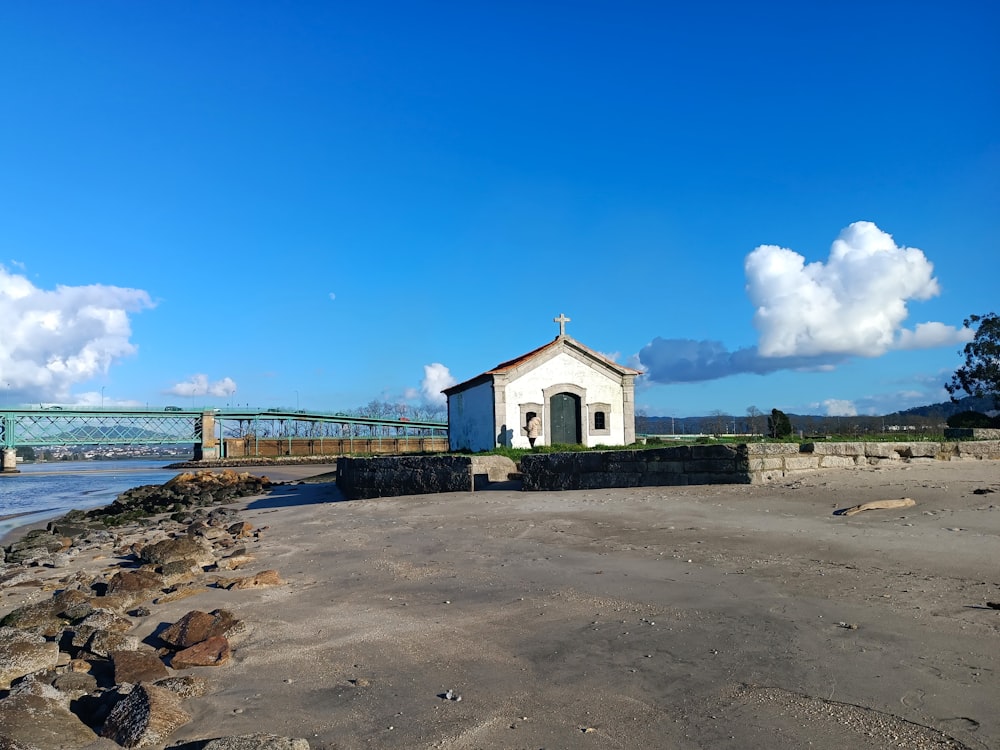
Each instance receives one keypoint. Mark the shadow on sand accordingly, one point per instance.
(291, 495)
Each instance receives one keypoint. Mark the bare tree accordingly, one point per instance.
(717, 421)
(756, 420)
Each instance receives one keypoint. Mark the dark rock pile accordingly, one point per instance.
(73, 676)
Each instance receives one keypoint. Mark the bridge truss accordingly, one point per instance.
(55, 427)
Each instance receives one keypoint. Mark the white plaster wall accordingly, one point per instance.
(470, 419)
(564, 368)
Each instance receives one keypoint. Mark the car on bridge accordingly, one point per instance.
(172, 408)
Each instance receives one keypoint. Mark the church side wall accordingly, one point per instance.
(470, 419)
(563, 368)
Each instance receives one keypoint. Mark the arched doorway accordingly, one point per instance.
(564, 415)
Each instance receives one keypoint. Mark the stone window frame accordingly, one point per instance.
(525, 409)
(593, 410)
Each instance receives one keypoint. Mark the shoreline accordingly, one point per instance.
(697, 617)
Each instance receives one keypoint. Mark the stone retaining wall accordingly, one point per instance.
(391, 476)
(752, 463)
(654, 467)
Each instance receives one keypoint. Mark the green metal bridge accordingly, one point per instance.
(203, 428)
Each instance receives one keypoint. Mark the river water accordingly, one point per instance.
(48, 490)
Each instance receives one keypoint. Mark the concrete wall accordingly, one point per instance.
(770, 461)
(360, 478)
(470, 419)
(327, 446)
(728, 464)
(655, 467)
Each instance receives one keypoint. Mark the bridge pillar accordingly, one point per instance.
(9, 465)
(208, 450)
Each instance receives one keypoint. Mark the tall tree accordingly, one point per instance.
(778, 424)
(980, 375)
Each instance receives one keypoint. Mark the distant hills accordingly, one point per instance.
(917, 417)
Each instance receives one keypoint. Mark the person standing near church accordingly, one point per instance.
(534, 428)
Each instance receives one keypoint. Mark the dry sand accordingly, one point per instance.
(696, 617)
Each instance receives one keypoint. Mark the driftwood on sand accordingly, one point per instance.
(904, 502)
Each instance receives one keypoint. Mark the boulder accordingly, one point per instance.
(261, 741)
(137, 666)
(22, 653)
(262, 580)
(212, 652)
(186, 686)
(146, 717)
(172, 550)
(41, 722)
(51, 614)
(197, 626)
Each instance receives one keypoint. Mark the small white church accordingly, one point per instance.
(580, 397)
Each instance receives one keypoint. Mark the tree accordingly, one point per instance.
(778, 424)
(980, 375)
(755, 420)
(717, 421)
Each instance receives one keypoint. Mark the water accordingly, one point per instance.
(48, 490)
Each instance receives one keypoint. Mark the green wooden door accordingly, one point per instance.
(564, 409)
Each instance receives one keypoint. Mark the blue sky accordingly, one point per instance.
(321, 204)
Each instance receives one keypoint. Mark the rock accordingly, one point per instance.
(234, 562)
(103, 642)
(40, 722)
(22, 653)
(256, 742)
(212, 652)
(262, 580)
(146, 717)
(75, 684)
(105, 619)
(179, 570)
(172, 550)
(135, 584)
(137, 666)
(241, 529)
(52, 614)
(34, 545)
(186, 686)
(197, 626)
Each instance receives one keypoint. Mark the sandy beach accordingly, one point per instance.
(694, 617)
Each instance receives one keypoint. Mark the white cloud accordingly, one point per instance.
(199, 385)
(437, 377)
(836, 407)
(929, 335)
(812, 316)
(854, 304)
(53, 339)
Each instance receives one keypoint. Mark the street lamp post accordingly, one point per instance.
(102, 396)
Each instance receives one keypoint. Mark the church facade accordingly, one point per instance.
(578, 395)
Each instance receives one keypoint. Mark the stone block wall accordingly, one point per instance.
(678, 465)
(390, 476)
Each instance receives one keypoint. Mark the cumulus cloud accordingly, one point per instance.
(815, 315)
(437, 377)
(199, 385)
(836, 407)
(53, 339)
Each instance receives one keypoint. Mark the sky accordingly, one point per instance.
(775, 204)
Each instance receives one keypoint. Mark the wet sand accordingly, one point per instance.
(696, 617)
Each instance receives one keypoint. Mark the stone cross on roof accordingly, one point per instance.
(562, 320)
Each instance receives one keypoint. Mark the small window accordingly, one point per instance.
(599, 420)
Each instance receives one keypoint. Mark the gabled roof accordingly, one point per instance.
(562, 342)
